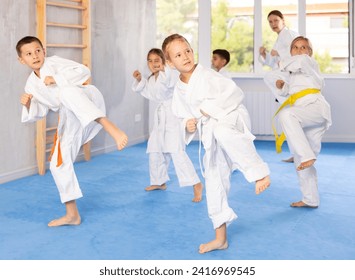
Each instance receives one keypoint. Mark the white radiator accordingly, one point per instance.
(261, 106)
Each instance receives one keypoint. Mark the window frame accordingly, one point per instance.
(204, 36)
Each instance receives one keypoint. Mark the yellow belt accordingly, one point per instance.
(279, 139)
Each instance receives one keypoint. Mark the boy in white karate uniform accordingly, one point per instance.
(165, 142)
(307, 118)
(209, 102)
(57, 84)
(219, 61)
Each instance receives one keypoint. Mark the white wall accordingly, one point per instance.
(122, 33)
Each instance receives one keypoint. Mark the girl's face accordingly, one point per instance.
(276, 23)
(181, 56)
(300, 47)
(155, 63)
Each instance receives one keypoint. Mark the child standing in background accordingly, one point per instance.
(57, 84)
(220, 59)
(165, 142)
(209, 102)
(307, 118)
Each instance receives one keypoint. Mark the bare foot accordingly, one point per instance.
(305, 164)
(213, 245)
(117, 134)
(299, 204)
(65, 221)
(121, 139)
(197, 192)
(262, 184)
(156, 187)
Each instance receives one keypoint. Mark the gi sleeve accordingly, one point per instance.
(36, 111)
(68, 72)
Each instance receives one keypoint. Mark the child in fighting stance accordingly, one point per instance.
(208, 102)
(57, 84)
(165, 141)
(304, 116)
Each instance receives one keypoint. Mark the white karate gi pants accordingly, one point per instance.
(81, 106)
(304, 128)
(228, 144)
(184, 168)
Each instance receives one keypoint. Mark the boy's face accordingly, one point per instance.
(300, 47)
(181, 56)
(217, 62)
(155, 63)
(32, 55)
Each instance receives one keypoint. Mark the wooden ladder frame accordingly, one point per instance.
(42, 139)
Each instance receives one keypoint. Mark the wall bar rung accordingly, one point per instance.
(57, 24)
(66, 46)
(63, 5)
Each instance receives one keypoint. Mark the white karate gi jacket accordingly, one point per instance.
(282, 46)
(165, 136)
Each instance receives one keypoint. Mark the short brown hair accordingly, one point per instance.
(222, 53)
(170, 39)
(27, 40)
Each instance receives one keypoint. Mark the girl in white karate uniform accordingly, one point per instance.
(306, 120)
(209, 102)
(57, 84)
(281, 48)
(165, 141)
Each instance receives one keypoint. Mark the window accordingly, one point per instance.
(232, 28)
(241, 27)
(175, 16)
(327, 26)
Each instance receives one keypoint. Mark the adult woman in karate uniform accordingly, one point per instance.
(281, 48)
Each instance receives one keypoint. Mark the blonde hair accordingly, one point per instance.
(168, 40)
(302, 38)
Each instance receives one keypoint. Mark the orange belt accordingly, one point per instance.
(59, 157)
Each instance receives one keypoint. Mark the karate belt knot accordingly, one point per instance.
(280, 139)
